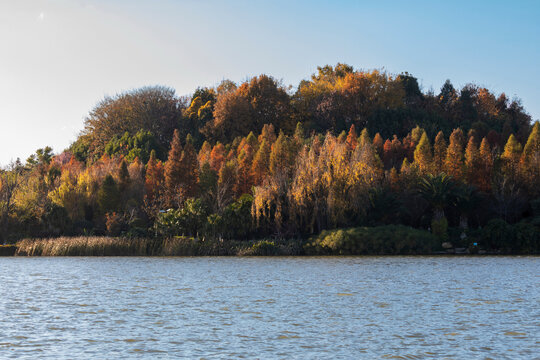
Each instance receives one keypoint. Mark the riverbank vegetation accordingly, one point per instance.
(364, 159)
(176, 246)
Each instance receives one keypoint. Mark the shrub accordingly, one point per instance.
(526, 238)
(439, 228)
(261, 248)
(535, 207)
(497, 234)
(380, 240)
(189, 220)
(115, 223)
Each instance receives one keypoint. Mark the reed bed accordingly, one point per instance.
(84, 246)
(176, 246)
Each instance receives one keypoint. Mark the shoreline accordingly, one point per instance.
(190, 247)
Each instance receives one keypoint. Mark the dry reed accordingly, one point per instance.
(108, 246)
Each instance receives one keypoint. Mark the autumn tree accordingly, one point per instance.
(217, 156)
(281, 157)
(364, 139)
(268, 134)
(232, 117)
(309, 192)
(173, 172)
(155, 109)
(9, 181)
(439, 153)
(472, 163)
(352, 138)
(422, 155)
(485, 159)
(200, 110)
(189, 167)
(260, 101)
(530, 160)
(454, 155)
(227, 179)
(154, 178)
(378, 145)
(259, 167)
(510, 158)
(204, 153)
(299, 133)
(245, 160)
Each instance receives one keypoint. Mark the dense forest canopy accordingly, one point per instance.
(345, 148)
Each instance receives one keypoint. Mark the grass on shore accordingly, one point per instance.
(177, 246)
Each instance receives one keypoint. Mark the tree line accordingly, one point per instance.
(346, 148)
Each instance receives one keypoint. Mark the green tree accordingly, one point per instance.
(438, 190)
(155, 109)
(108, 195)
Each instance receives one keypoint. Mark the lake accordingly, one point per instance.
(288, 308)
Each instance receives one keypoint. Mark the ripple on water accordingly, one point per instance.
(389, 307)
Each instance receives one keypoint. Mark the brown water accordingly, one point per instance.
(289, 308)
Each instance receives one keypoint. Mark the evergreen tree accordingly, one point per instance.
(123, 176)
(108, 196)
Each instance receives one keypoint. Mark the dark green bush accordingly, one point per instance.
(261, 248)
(520, 238)
(527, 238)
(497, 234)
(380, 240)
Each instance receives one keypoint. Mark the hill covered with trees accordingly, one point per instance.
(345, 149)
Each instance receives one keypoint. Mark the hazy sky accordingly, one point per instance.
(58, 58)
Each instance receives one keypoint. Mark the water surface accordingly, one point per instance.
(290, 308)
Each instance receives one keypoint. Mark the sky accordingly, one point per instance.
(59, 58)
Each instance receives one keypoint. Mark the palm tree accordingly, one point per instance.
(466, 198)
(438, 191)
